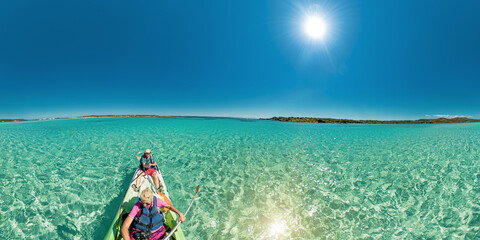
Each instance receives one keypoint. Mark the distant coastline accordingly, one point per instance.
(284, 119)
(82, 117)
(350, 121)
(105, 116)
(109, 116)
(13, 120)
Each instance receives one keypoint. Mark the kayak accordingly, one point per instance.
(132, 196)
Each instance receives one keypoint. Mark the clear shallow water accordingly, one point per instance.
(259, 179)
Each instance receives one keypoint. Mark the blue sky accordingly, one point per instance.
(378, 59)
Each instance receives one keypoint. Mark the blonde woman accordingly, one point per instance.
(147, 218)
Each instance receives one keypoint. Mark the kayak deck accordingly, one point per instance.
(131, 197)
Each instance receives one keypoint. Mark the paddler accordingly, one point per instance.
(147, 218)
(147, 163)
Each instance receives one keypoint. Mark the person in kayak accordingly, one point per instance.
(147, 164)
(147, 218)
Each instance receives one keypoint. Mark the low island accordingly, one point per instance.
(12, 120)
(350, 121)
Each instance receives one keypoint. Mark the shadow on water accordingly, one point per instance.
(111, 208)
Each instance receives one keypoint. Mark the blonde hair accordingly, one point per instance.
(146, 196)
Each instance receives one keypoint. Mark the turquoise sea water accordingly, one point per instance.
(64, 179)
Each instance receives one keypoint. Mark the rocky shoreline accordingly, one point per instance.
(350, 121)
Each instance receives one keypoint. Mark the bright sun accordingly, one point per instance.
(315, 27)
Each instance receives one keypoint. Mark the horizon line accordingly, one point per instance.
(200, 116)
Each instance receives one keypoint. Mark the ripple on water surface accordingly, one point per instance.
(64, 179)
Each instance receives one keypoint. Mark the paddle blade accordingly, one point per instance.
(198, 188)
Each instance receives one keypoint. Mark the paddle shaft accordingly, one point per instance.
(185, 214)
(138, 175)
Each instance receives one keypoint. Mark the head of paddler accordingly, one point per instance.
(147, 153)
(146, 197)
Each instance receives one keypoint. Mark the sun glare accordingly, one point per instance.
(277, 229)
(315, 27)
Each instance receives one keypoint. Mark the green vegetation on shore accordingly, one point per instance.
(349, 121)
(12, 120)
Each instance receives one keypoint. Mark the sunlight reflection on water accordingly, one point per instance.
(278, 229)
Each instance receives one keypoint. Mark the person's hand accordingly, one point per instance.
(181, 218)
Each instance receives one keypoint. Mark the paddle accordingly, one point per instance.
(185, 214)
(138, 175)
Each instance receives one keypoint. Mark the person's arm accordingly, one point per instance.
(126, 225)
(154, 162)
(181, 218)
(142, 162)
(128, 221)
